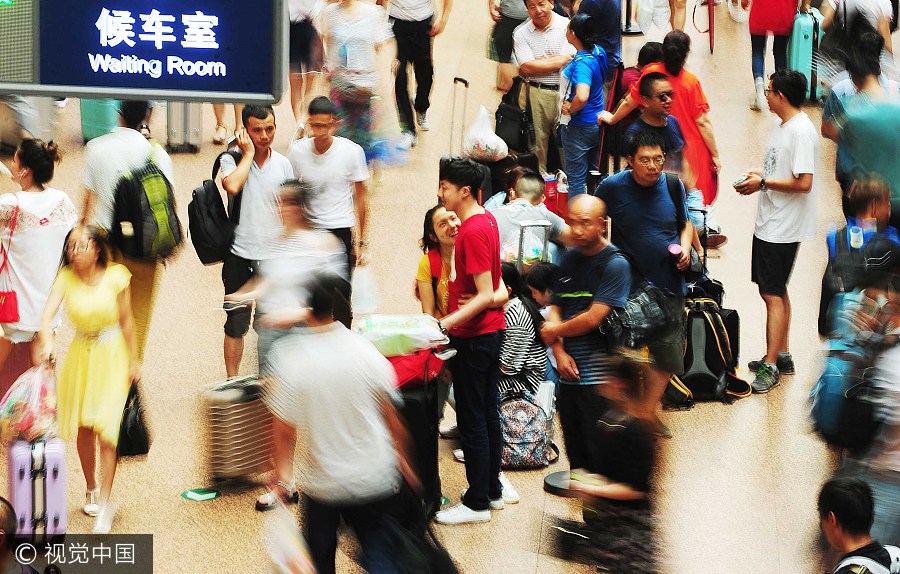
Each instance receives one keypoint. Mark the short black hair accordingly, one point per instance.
(644, 138)
(582, 25)
(646, 85)
(322, 105)
(258, 111)
(864, 58)
(512, 279)
(7, 522)
(850, 499)
(650, 52)
(324, 289)
(543, 276)
(134, 112)
(462, 172)
(791, 84)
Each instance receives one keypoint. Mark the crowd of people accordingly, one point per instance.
(304, 228)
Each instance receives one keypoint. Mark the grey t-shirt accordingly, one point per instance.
(330, 383)
(513, 9)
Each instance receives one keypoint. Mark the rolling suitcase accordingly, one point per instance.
(526, 258)
(37, 483)
(803, 49)
(183, 121)
(98, 117)
(240, 427)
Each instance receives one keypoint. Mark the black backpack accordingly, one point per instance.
(211, 226)
(145, 223)
(709, 362)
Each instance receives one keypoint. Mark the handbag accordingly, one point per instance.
(646, 317)
(349, 92)
(9, 302)
(514, 124)
(134, 434)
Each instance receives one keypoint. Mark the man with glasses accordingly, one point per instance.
(647, 220)
(785, 216)
(657, 95)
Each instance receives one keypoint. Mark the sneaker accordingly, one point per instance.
(495, 504)
(270, 500)
(767, 378)
(407, 141)
(61, 102)
(510, 494)
(784, 362)
(715, 240)
(92, 508)
(422, 121)
(105, 518)
(459, 455)
(462, 514)
(451, 431)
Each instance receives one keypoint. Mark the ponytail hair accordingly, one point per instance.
(676, 46)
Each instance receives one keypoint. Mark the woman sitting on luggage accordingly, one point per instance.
(101, 362)
(616, 486)
(523, 355)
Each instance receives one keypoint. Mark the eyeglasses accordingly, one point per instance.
(80, 247)
(666, 96)
(768, 91)
(647, 161)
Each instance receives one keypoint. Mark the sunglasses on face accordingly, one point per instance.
(666, 96)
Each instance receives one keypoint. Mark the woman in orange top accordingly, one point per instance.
(690, 106)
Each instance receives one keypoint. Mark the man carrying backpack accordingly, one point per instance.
(846, 512)
(109, 158)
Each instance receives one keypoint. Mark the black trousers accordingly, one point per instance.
(413, 47)
(579, 408)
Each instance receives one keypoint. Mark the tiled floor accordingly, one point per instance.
(735, 489)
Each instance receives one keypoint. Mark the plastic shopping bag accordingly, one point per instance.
(285, 545)
(481, 142)
(651, 12)
(395, 335)
(365, 291)
(28, 409)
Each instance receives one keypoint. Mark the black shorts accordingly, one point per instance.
(501, 49)
(305, 48)
(771, 265)
(236, 271)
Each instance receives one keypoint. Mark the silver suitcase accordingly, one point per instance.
(526, 259)
(183, 121)
(240, 429)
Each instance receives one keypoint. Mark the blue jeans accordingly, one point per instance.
(580, 148)
(476, 373)
(369, 521)
(779, 50)
(886, 528)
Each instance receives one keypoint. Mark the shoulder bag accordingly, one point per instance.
(513, 123)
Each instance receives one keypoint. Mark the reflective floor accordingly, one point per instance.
(735, 488)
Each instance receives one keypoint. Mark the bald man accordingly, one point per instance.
(594, 278)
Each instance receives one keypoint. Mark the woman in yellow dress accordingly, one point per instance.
(100, 364)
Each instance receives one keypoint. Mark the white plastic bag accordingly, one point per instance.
(395, 335)
(285, 545)
(481, 142)
(365, 291)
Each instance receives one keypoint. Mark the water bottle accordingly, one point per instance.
(856, 237)
(562, 194)
(550, 192)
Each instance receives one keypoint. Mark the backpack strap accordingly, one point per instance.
(894, 553)
(831, 241)
(869, 566)
(673, 184)
(234, 201)
(436, 265)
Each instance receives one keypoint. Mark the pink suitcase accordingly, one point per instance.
(37, 479)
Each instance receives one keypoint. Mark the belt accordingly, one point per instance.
(100, 336)
(541, 86)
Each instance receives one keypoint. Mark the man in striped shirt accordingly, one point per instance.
(594, 278)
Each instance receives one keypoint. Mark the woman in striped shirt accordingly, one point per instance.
(523, 356)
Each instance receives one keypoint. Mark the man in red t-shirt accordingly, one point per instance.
(476, 332)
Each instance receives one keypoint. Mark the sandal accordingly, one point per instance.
(220, 133)
(270, 500)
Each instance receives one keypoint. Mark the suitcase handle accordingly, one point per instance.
(462, 81)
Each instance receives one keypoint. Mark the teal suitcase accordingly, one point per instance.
(98, 117)
(803, 50)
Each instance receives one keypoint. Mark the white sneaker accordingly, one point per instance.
(422, 122)
(407, 141)
(449, 431)
(510, 494)
(462, 514)
(92, 508)
(493, 504)
(105, 518)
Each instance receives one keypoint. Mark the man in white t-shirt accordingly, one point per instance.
(339, 392)
(108, 158)
(786, 215)
(335, 168)
(257, 178)
(541, 51)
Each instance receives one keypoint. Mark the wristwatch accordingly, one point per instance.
(762, 185)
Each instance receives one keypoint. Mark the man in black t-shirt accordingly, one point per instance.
(846, 512)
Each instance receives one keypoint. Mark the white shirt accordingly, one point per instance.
(411, 10)
(292, 261)
(259, 222)
(330, 383)
(529, 44)
(331, 175)
(299, 10)
(352, 40)
(793, 150)
(871, 10)
(44, 220)
(109, 157)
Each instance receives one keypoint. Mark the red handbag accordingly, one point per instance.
(9, 302)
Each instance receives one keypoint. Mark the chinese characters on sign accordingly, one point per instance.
(116, 26)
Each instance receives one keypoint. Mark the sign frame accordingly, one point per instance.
(279, 73)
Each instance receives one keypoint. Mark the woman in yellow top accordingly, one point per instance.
(440, 230)
(100, 364)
